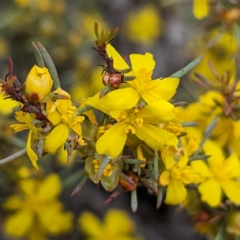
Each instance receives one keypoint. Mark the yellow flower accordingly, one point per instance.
(38, 83)
(26, 120)
(62, 114)
(219, 48)
(200, 8)
(116, 225)
(142, 68)
(143, 25)
(143, 122)
(179, 174)
(6, 105)
(37, 205)
(220, 176)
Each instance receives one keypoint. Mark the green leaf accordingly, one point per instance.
(188, 68)
(50, 65)
(207, 133)
(96, 30)
(159, 197)
(133, 161)
(102, 166)
(155, 167)
(127, 179)
(189, 124)
(198, 157)
(38, 56)
(79, 186)
(84, 109)
(134, 201)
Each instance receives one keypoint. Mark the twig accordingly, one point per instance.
(13, 156)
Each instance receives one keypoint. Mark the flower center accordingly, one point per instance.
(106, 172)
(175, 128)
(143, 78)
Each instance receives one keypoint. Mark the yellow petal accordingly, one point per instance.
(236, 128)
(200, 8)
(201, 167)
(118, 222)
(19, 224)
(211, 192)
(50, 187)
(90, 225)
(231, 167)
(56, 138)
(54, 220)
(164, 178)
(176, 192)
(160, 89)
(63, 93)
(63, 105)
(31, 154)
(232, 189)
(139, 61)
(155, 137)
(6, 105)
(119, 62)
(157, 112)
(113, 140)
(118, 100)
(13, 203)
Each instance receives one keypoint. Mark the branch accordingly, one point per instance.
(13, 156)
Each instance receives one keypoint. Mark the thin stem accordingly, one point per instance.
(13, 156)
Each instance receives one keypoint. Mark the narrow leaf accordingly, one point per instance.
(155, 167)
(102, 166)
(198, 157)
(38, 56)
(207, 133)
(189, 124)
(84, 109)
(50, 65)
(133, 161)
(126, 178)
(96, 30)
(134, 201)
(188, 68)
(159, 197)
(79, 186)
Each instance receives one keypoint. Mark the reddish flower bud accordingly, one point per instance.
(113, 80)
(126, 185)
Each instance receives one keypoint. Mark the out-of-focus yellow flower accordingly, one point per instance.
(220, 174)
(142, 68)
(200, 8)
(6, 105)
(220, 49)
(116, 225)
(38, 83)
(178, 174)
(22, 3)
(143, 25)
(233, 223)
(37, 206)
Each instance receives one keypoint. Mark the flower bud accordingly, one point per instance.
(126, 185)
(113, 80)
(38, 83)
